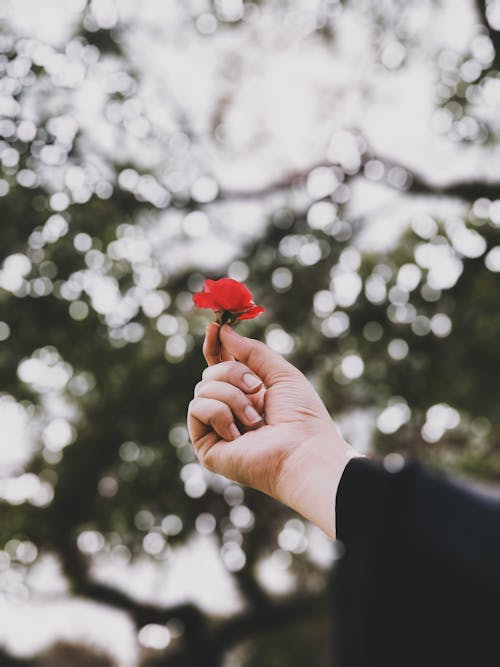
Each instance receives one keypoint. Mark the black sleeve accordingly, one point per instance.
(419, 579)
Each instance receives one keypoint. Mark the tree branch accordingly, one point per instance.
(7, 660)
(267, 619)
(75, 567)
(417, 184)
(141, 613)
(202, 641)
(286, 182)
(467, 190)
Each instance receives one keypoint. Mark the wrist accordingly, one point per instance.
(310, 487)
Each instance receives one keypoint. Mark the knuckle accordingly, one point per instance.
(221, 412)
(221, 370)
(237, 372)
(207, 461)
(238, 367)
(259, 346)
(199, 451)
(238, 401)
(242, 402)
(199, 387)
(205, 458)
(214, 371)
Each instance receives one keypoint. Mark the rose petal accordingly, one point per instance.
(205, 300)
(251, 313)
(207, 285)
(229, 294)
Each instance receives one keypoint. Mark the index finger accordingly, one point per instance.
(211, 344)
(213, 350)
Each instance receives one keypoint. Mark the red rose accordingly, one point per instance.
(230, 299)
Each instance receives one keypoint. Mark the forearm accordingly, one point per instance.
(312, 487)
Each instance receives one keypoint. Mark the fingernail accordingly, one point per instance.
(251, 381)
(233, 429)
(251, 414)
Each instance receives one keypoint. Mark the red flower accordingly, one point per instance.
(230, 299)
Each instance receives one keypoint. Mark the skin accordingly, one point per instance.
(275, 436)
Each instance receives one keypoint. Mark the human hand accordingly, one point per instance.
(288, 448)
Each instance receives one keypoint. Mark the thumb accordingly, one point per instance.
(268, 365)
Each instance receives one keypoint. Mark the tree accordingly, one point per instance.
(101, 346)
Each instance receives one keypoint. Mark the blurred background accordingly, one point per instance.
(340, 157)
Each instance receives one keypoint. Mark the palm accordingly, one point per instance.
(291, 408)
(295, 452)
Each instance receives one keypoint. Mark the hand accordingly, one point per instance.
(256, 419)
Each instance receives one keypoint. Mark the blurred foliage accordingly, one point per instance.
(100, 347)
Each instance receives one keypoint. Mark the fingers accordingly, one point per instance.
(213, 413)
(237, 401)
(211, 344)
(212, 349)
(234, 373)
(228, 391)
(264, 362)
